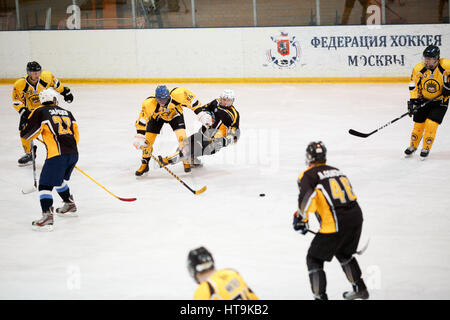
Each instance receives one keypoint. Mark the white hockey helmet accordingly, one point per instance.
(48, 95)
(227, 94)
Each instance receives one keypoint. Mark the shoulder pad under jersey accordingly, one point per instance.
(445, 63)
(182, 95)
(20, 84)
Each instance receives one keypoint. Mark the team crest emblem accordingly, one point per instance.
(432, 86)
(285, 52)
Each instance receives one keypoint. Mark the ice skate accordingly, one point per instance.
(322, 296)
(163, 161)
(143, 168)
(410, 151)
(45, 223)
(424, 154)
(25, 160)
(359, 292)
(69, 209)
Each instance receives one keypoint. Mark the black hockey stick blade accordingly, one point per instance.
(360, 134)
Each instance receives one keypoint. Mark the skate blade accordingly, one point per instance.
(352, 296)
(45, 228)
(24, 164)
(67, 214)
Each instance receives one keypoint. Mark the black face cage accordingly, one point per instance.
(313, 156)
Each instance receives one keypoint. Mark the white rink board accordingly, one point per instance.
(338, 51)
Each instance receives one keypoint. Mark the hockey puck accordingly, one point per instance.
(262, 194)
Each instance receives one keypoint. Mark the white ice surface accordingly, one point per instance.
(138, 250)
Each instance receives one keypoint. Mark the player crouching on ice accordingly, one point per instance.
(59, 132)
(164, 107)
(220, 128)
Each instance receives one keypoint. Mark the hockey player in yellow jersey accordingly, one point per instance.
(429, 93)
(163, 107)
(25, 97)
(225, 284)
(220, 128)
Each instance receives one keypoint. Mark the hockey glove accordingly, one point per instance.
(68, 97)
(139, 141)
(24, 113)
(446, 89)
(413, 106)
(299, 225)
(205, 118)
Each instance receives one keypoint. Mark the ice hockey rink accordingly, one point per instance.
(138, 250)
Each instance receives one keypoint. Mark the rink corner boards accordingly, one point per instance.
(227, 80)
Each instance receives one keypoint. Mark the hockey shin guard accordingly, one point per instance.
(353, 273)
(149, 140)
(45, 197)
(64, 191)
(429, 134)
(317, 277)
(416, 134)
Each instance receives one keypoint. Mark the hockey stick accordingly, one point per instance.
(359, 252)
(33, 157)
(122, 199)
(176, 177)
(365, 135)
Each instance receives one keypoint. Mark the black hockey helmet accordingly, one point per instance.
(199, 260)
(316, 152)
(33, 66)
(432, 52)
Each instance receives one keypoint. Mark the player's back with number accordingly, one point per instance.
(225, 284)
(327, 192)
(58, 128)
